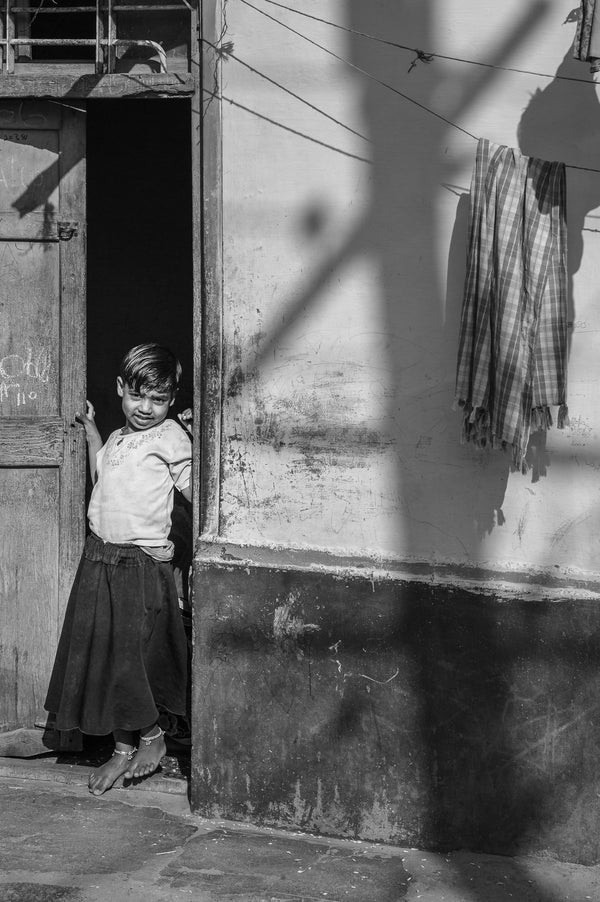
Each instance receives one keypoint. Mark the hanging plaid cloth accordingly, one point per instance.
(513, 332)
(586, 45)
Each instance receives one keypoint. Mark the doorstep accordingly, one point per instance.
(50, 768)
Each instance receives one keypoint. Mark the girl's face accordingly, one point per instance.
(144, 408)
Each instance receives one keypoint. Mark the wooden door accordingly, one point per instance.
(42, 367)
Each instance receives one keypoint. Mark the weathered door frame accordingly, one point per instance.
(69, 90)
(208, 259)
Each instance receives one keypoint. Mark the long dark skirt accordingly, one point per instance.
(122, 654)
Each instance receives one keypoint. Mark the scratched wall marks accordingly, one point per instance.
(308, 417)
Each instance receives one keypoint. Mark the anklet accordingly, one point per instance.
(149, 739)
(129, 754)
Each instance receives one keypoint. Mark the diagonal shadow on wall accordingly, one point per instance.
(477, 790)
(483, 792)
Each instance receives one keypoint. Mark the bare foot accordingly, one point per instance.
(105, 776)
(148, 756)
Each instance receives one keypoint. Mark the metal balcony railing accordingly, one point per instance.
(15, 30)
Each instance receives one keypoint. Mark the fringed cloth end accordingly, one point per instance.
(541, 418)
(477, 429)
(563, 417)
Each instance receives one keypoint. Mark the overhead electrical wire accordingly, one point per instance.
(232, 55)
(420, 56)
(428, 55)
(362, 71)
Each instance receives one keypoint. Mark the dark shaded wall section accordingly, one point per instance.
(391, 709)
(139, 240)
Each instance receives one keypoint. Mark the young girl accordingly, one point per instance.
(122, 655)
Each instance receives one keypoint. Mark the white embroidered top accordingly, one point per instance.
(132, 499)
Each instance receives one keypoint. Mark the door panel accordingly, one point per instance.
(29, 589)
(42, 366)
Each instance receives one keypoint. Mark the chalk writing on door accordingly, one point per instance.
(22, 375)
(20, 137)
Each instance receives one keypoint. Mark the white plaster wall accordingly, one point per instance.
(344, 252)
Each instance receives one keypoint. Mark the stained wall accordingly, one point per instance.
(345, 210)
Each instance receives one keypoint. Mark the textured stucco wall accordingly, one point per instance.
(344, 248)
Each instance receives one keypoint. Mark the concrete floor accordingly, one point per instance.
(142, 844)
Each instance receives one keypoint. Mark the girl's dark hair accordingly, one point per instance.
(151, 366)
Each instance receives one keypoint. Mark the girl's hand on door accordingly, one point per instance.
(186, 419)
(88, 421)
(93, 437)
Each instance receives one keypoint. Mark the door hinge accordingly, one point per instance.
(67, 229)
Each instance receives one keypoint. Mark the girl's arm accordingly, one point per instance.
(185, 419)
(94, 441)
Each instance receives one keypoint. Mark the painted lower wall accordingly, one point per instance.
(339, 699)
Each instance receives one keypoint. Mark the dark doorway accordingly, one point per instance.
(139, 278)
(139, 249)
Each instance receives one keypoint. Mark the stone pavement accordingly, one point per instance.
(141, 844)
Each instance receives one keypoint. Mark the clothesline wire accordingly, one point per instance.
(232, 55)
(286, 128)
(426, 55)
(385, 84)
(362, 71)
